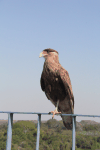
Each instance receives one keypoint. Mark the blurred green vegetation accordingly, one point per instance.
(53, 136)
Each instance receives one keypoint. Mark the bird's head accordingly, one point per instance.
(49, 53)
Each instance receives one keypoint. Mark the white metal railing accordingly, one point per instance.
(10, 125)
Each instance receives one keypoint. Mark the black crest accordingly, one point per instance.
(50, 50)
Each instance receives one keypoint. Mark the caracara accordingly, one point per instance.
(56, 84)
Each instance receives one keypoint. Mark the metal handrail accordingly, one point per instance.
(10, 124)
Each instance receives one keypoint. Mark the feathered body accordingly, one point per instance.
(56, 84)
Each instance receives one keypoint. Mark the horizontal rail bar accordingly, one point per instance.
(50, 114)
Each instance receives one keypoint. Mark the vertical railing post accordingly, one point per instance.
(38, 131)
(9, 131)
(73, 132)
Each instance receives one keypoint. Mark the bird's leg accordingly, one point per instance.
(56, 110)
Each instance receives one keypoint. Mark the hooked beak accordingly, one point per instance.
(41, 54)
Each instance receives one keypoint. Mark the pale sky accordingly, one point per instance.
(72, 27)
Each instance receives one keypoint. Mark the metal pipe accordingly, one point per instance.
(38, 131)
(79, 115)
(9, 131)
(73, 132)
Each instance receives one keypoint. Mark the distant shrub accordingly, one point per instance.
(98, 139)
(84, 142)
(52, 136)
(57, 125)
(90, 127)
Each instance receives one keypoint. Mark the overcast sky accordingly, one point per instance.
(72, 27)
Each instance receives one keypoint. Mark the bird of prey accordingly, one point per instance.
(56, 84)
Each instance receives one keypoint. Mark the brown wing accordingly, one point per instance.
(66, 82)
(66, 107)
(42, 83)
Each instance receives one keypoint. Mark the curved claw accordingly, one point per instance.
(55, 112)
